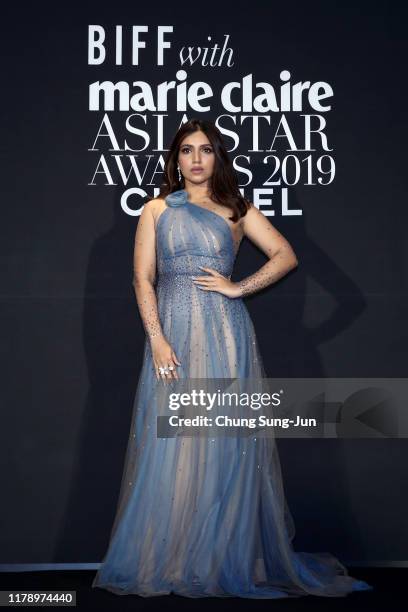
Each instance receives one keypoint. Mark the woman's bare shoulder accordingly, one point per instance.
(155, 206)
(250, 211)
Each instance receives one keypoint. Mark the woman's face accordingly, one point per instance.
(196, 151)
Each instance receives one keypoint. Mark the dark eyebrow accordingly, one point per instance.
(186, 144)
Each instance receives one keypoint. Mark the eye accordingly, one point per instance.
(188, 150)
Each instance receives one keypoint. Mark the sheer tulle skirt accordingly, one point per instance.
(199, 516)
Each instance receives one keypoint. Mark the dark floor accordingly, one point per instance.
(389, 593)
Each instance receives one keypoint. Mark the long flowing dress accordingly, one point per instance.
(202, 516)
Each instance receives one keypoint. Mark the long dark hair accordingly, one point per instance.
(224, 188)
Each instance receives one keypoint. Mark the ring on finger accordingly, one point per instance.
(166, 369)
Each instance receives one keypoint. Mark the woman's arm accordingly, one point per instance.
(266, 237)
(144, 275)
(144, 271)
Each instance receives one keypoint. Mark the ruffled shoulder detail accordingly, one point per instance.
(176, 198)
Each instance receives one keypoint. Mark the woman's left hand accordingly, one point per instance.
(216, 282)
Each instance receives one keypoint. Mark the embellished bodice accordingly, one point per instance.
(188, 235)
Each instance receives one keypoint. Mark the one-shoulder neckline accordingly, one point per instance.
(212, 212)
(192, 204)
(181, 196)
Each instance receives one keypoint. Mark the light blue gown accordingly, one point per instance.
(202, 516)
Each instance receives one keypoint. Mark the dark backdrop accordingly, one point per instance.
(71, 336)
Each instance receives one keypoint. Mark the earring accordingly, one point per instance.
(179, 174)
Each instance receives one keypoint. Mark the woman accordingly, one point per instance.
(201, 516)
